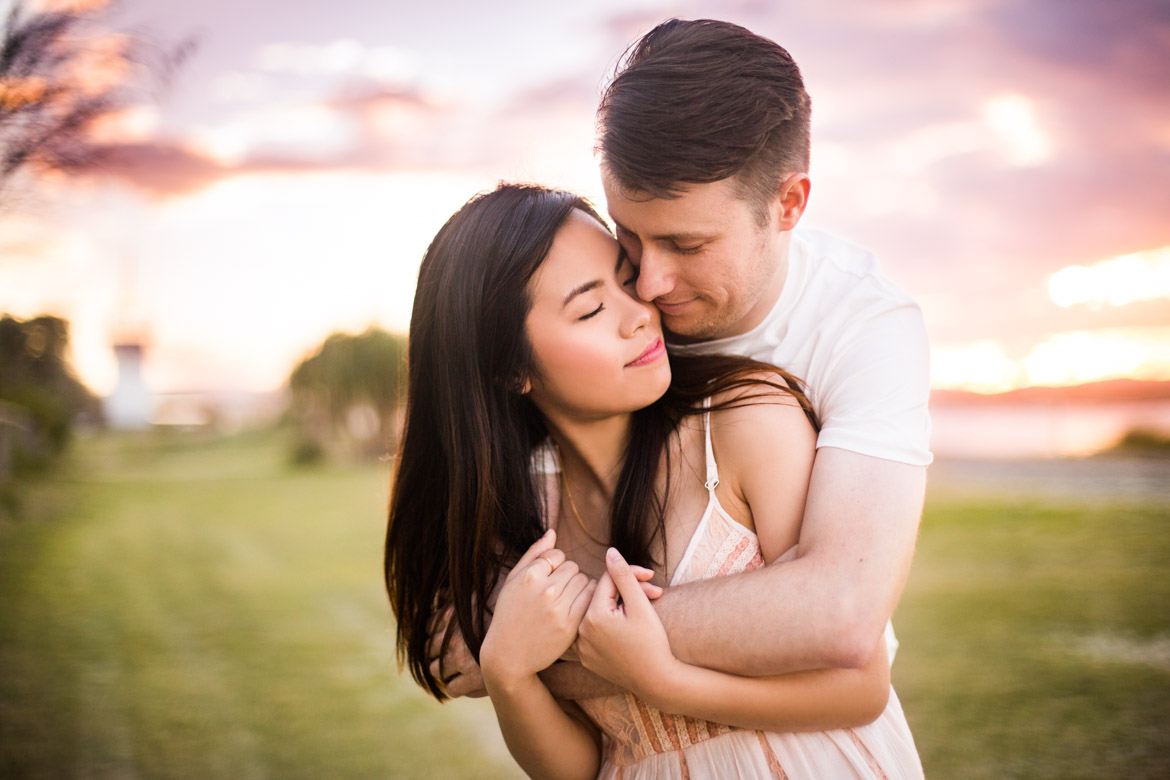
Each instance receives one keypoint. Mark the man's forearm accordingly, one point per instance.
(774, 620)
(571, 680)
(827, 607)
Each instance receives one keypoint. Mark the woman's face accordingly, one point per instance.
(597, 349)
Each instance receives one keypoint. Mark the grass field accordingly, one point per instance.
(179, 609)
(185, 607)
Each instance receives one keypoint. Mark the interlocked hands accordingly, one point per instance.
(546, 606)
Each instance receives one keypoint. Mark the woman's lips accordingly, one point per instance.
(656, 350)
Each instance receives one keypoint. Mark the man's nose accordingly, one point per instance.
(655, 275)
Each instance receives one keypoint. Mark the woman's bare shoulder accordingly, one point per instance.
(761, 421)
(767, 400)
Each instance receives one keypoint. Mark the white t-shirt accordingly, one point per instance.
(858, 343)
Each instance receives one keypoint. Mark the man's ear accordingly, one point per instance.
(791, 200)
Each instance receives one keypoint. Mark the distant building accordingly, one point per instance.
(131, 405)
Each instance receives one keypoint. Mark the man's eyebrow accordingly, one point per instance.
(676, 237)
(582, 288)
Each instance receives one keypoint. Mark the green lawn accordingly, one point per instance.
(187, 607)
(179, 609)
(1036, 640)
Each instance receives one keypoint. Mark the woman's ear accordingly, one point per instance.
(523, 385)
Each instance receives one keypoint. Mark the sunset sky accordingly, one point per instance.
(1008, 161)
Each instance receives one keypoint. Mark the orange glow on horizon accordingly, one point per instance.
(1060, 360)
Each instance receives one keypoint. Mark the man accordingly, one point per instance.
(704, 145)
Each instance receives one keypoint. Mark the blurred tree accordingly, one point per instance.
(40, 398)
(61, 73)
(346, 394)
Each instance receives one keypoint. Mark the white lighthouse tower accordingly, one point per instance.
(130, 406)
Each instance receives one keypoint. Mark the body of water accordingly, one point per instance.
(1038, 430)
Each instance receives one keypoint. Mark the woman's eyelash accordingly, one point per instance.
(592, 313)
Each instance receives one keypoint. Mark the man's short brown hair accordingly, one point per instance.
(701, 101)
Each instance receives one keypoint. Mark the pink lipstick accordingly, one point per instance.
(656, 350)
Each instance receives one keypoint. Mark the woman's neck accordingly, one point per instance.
(595, 450)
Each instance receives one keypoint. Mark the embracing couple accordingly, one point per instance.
(665, 566)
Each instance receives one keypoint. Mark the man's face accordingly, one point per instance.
(702, 258)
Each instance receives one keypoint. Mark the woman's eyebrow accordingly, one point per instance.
(583, 288)
(593, 285)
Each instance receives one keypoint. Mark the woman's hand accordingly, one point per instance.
(536, 617)
(624, 641)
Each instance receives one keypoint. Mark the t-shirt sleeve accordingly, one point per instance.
(874, 393)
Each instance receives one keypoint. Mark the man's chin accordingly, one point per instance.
(684, 332)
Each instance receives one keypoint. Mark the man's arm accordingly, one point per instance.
(829, 606)
(825, 609)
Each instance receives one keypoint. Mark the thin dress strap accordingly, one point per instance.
(712, 470)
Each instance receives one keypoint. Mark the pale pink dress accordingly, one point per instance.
(643, 742)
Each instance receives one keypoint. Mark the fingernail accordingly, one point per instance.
(546, 533)
(613, 554)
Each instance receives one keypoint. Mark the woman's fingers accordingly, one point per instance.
(644, 575)
(545, 564)
(583, 597)
(539, 547)
(624, 581)
(559, 578)
(605, 596)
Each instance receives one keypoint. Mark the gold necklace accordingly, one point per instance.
(572, 503)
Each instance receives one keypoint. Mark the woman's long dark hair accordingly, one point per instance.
(464, 504)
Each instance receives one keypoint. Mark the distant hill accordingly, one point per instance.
(1113, 391)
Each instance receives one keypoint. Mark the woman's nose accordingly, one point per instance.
(638, 315)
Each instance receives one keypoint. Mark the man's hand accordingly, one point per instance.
(456, 669)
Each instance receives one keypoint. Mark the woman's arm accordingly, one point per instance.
(543, 737)
(817, 700)
(536, 617)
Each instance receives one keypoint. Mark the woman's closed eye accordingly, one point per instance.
(600, 308)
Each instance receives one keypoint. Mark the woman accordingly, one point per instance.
(544, 427)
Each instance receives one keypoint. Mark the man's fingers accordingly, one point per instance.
(541, 545)
(468, 685)
(651, 590)
(439, 623)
